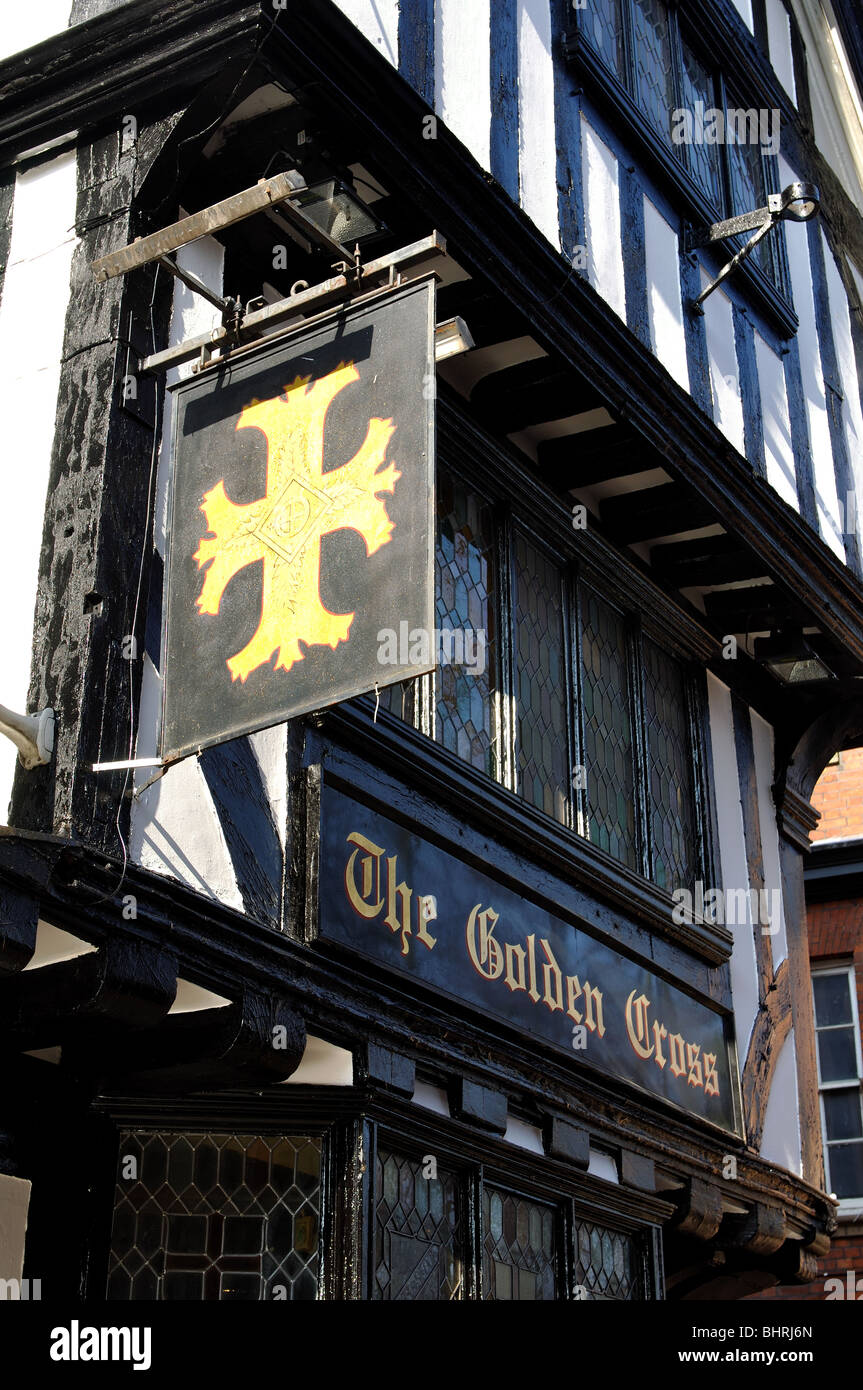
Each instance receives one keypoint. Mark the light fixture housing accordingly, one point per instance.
(335, 208)
(791, 659)
(451, 337)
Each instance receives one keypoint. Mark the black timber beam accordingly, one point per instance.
(125, 982)
(594, 456)
(258, 1040)
(759, 608)
(530, 393)
(706, 560)
(19, 916)
(654, 511)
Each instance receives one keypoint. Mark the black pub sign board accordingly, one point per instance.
(411, 906)
(301, 521)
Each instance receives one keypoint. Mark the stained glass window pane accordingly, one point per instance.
(653, 63)
(670, 772)
(464, 598)
(418, 1232)
(230, 1217)
(608, 751)
(702, 159)
(541, 682)
(603, 25)
(519, 1259)
(607, 1268)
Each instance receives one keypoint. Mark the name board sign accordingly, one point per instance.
(406, 904)
(301, 521)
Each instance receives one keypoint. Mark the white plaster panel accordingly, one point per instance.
(25, 25)
(431, 1098)
(270, 747)
(379, 21)
(823, 469)
(463, 72)
(667, 336)
(602, 1165)
(732, 855)
(779, 44)
(780, 1137)
(323, 1064)
(778, 451)
(175, 828)
(744, 9)
(724, 372)
(523, 1136)
(32, 326)
(537, 147)
(602, 216)
(762, 742)
(840, 320)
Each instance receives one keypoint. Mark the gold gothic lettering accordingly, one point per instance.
(685, 1059)
(368, 897)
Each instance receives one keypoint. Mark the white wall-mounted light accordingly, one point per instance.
(450, 338)
(32, 734)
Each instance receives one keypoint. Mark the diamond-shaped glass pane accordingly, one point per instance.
(669, 755)
(602, 23)
(183, 1245)
(418, 1231)
(606, 1264)
(519, 1257)
(541, 682)
(608, 745)
(653, 63)
(464, 608)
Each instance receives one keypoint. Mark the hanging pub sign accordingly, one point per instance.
(301, 521)
(406, 904)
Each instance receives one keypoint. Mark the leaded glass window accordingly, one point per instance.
(519, 1259)
(604, 24)
(670, 770)
(697, 85)
(229, 1217)
(606, 1264)
(653, 62)
(747, 182)
(541, 681)
(653, 49)
(608, 744)
(418, 1231)
(465, 608)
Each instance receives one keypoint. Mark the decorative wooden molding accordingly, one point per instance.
(699, 1210)
(797, 817)
(772, 1026)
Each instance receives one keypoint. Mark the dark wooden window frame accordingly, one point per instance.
(349, 1123)
(619, 106)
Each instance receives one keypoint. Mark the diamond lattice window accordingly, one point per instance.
(464, 599)
(230, 1217)
(541, 682)
(418, 1238)
(606, 1264)
(518, 1248)
(670, 773)
(608, 750)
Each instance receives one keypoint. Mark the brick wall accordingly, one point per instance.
(838, 795)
